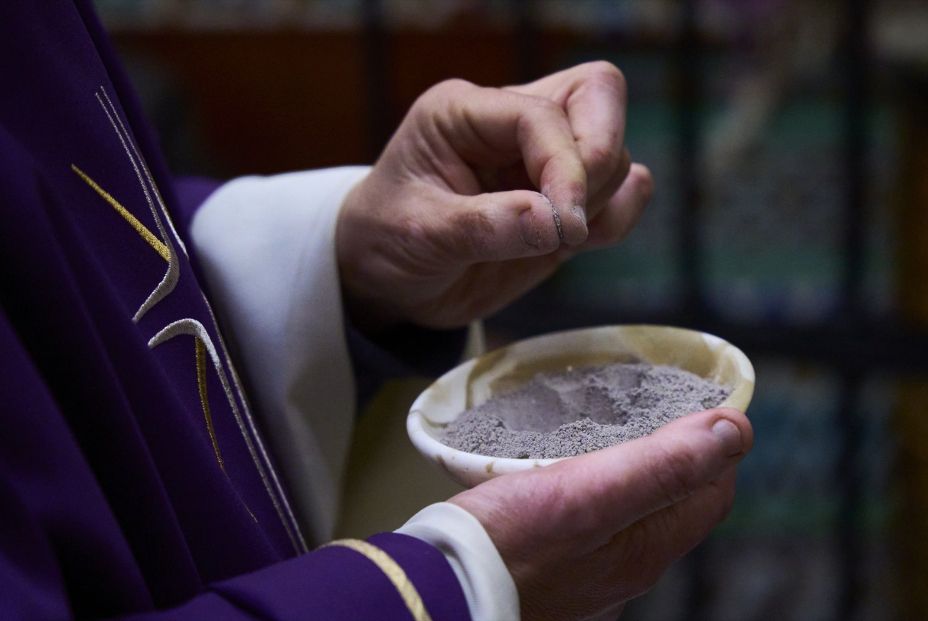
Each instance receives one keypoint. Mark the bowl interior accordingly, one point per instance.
(475, 381)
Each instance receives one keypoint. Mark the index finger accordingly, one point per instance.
(595, 98)
(633, 480)
(489, 126)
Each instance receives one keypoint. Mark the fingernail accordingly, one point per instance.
(579, 213)
(729, 436)
(555, 214)
(557, 222)
(528, 229)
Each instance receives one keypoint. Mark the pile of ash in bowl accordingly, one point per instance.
(581, 410)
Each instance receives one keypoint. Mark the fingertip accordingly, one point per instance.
(726, 423)
(577, 230)
(644, 180)
(498, 226)
(540, 227)
(564, 184)
(535, 233)
(569, 220)
(729, 436)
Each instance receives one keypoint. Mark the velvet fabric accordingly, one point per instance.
(133, 477)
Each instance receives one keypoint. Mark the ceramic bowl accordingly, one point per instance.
(503, 370)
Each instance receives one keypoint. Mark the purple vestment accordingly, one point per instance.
(132, 478)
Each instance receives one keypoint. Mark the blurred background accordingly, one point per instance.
(789, 144)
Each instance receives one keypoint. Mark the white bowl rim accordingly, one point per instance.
(483, 465)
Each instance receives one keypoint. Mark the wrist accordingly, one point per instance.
(353, 259)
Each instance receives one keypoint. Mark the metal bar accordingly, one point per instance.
(687, 103)
(855, 75)
(688, 98)
(910, 529)
(847, 482)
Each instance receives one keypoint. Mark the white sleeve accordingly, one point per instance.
(266, 246)
(488, 586)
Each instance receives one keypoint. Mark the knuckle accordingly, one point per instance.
(604, 157)
(673, 471)
(452, 86)
(412, 234)
(476, 229)
(605, 72)
(645, 183)
(443, 91)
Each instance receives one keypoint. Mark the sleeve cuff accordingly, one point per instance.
(389, 577)
(487, 584)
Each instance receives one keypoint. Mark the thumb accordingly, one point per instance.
(638, 478)
(499, 226)
(641, 553)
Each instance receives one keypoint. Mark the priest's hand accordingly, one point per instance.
(483, 192)
(585, 535)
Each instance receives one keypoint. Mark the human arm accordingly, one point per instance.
(449, 226)
(422, 239)
(440, 246)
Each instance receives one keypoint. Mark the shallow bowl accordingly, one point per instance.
(473, 382)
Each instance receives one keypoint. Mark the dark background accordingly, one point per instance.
(787, 139)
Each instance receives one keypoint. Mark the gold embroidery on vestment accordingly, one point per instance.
(204, 398)
(165, 248)
(392, 571)
(159, 246)
(169, 281)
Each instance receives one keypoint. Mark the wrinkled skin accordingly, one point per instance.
(585, 535)
(478, 197)
(456, 219)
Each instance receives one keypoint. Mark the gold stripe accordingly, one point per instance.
(153, 241)
(392, 571)
(204, 398)
(200, 351)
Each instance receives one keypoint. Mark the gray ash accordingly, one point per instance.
(581, 410)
